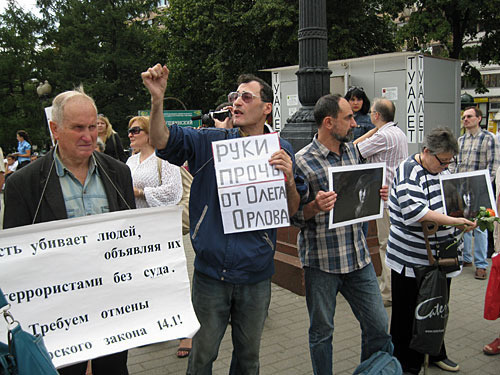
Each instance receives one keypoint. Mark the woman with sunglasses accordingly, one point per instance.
(156, 181)
(110, 138)
(360, 105)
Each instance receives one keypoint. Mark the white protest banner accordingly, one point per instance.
(252, 193)
(99, 284)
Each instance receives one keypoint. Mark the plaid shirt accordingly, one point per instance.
(340, 250)
(477, 151)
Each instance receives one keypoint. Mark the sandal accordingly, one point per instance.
(183, 352)
(481, 274)
(492, 348)
(184, 348)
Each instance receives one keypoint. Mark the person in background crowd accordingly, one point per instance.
(385, 143)
(232, 277)
(110, 138)
(416, 197)
(23, 153)
(70, 181)
(360, 105)
(10, 165)
(494, 347)
(156, 181)
(2, 169)
(335, 260)
(478, 150)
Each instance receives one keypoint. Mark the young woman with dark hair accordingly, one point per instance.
(360, 105)
(23, 149)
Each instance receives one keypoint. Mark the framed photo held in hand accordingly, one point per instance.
(463, 193)
(358, 193)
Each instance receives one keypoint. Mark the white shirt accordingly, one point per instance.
(145, 176)
(388, 145)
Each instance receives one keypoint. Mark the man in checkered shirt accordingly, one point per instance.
(478, 150)
(335, 260)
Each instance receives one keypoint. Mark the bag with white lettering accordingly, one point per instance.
(26, 354)
(431, 312)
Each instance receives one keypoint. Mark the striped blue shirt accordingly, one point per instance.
(414, 191)
(340, 250)
(82, 200)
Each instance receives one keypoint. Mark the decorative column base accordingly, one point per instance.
(301, 128)
(289, 273)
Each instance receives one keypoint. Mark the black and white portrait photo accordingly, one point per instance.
(358, 193)
(464, 193)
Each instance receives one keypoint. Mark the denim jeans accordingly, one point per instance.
(360, 289)
(480, 248)
(216, 301)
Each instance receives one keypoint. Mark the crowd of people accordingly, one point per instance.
(232, 276)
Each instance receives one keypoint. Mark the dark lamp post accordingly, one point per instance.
(313, 79)
(313, 76)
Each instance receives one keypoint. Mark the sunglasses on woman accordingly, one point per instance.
(245, 95)
(135, 130)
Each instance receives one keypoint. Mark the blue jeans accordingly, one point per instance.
(360, 289)
(480, 248)
(216, 301)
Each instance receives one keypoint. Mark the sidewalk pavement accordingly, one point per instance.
(284, 347)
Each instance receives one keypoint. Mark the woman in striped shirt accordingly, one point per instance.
(416, 197)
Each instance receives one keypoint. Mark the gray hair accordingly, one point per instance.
(60, 101)
(441, 140)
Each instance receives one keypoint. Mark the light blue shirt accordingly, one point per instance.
(89, 199)
(22, 147)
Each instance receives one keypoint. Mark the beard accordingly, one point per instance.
(346, 138)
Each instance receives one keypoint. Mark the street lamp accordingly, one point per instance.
(313, 76)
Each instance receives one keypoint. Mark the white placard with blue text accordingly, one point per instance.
(252, 193)
(100, 284)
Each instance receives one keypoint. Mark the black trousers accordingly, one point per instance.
(113, 364)
(404, 302)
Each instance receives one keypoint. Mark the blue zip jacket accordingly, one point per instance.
(238, 258)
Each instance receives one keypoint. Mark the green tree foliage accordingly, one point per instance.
(358, 28)
(466, 29)
(103, 45)
(210, 42)
(19, 104)
(106, 44)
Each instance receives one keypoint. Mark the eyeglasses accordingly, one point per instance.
(442, 163)
(135, 130)
(245, 95)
